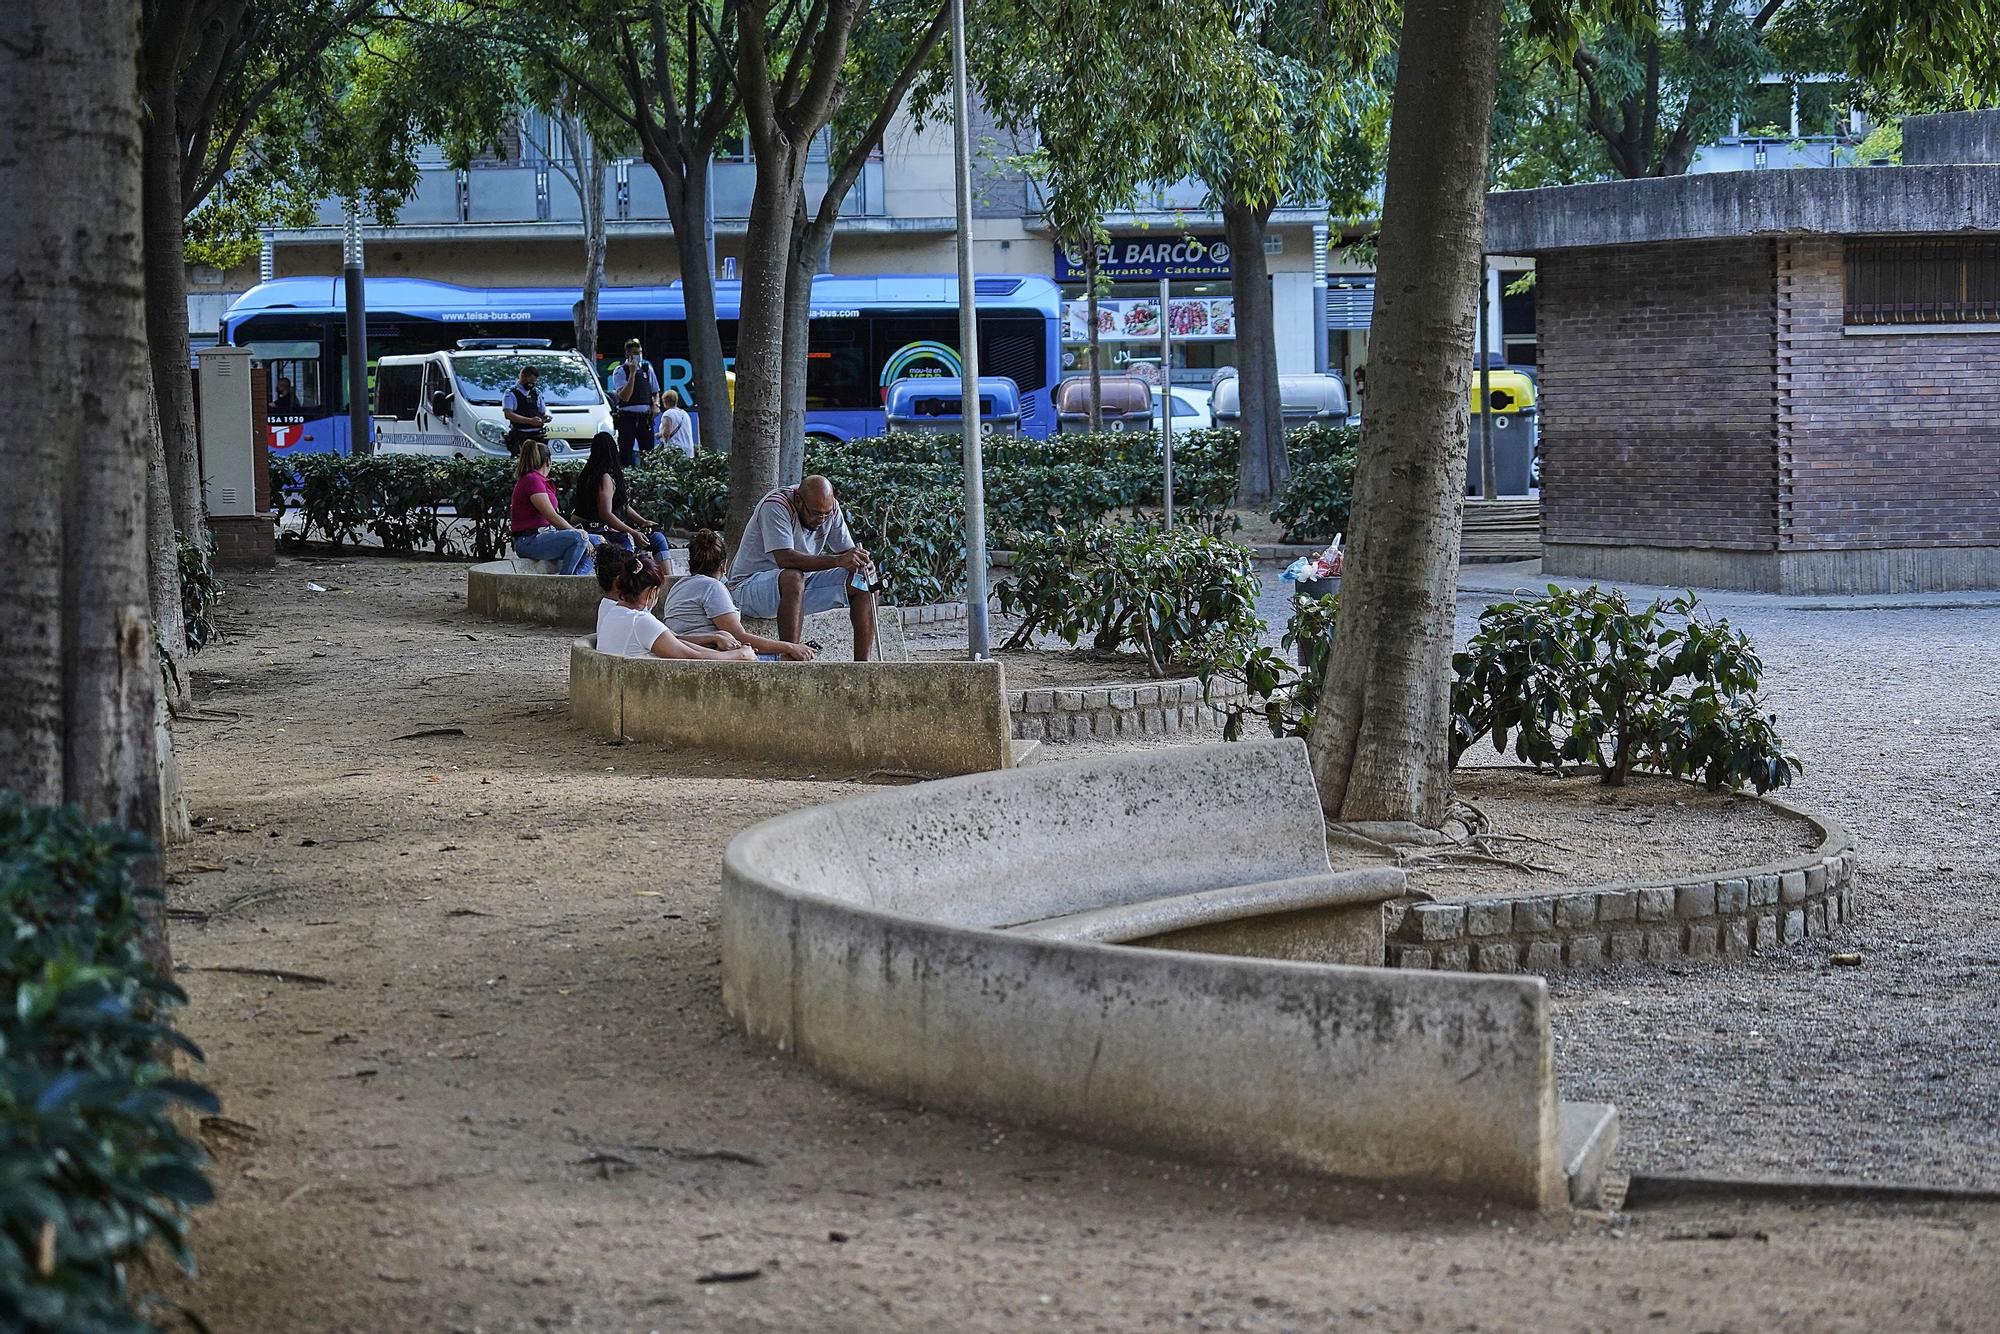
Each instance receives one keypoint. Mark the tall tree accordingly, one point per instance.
(892, 47)
(1310, 142)
(666, 73)
(78, 660)
(789, 61)
(210, 71)
(1379, 742)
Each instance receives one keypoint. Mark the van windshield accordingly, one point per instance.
(565, 381)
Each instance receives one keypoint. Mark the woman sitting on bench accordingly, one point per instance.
(626, 626)
(539, 532)
(600, 505)
(700, 610)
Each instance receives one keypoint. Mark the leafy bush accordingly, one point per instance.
(199, 593)
(92, 1168)
(1319, 495)
(1184, 600)
(1282, 694)
(1580, 677)
(411, 503)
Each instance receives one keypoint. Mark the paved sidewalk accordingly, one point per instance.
(1488, 582)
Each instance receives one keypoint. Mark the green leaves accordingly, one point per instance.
(1319, 494)
(1579, 677)
(1186, 601)
(93, 1170)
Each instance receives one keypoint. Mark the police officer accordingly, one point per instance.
(526, 414)
(635, 393)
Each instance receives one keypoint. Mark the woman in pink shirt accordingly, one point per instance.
(535, 516)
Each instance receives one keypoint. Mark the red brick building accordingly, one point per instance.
(1776, 380)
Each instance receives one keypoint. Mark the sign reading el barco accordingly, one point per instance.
(1164, 254)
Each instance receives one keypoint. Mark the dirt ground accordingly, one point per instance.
(1049, 667)
(1549, 834)
(488, 1083)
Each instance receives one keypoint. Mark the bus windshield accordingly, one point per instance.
(564, 381)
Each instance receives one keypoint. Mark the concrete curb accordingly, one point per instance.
(917, 717)
(1710, 915)
(869, 938)
(1125, 708)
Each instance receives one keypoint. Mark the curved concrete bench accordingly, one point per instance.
(947, 944)
(529, 590)
(919, 717)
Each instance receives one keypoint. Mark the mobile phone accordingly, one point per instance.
(813, 644)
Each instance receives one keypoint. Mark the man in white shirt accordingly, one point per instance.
(798, 557)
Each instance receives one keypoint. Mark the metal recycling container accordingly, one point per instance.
(1125, 403)
(1516, 416)
(936, 404)
(1301, 399)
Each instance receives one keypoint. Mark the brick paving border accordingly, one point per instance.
(1152, 708)
(1725, 915)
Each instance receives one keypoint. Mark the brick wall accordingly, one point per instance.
(1659, 419)
(1886, 440)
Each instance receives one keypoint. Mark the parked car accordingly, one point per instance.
(447, 404)
(1191, 410)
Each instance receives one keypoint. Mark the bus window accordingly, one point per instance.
(294, 372)
(837, 367)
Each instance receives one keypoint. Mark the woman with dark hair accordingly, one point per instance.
(626, 626)
(599, 502)
(539, 532)
(700, 610)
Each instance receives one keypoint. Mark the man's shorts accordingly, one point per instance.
(758, 595)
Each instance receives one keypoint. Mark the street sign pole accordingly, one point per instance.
(1167, 399)
(977, 643)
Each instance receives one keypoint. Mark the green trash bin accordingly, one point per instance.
(1312, 588)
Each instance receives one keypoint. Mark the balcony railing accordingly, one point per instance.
(515, 194)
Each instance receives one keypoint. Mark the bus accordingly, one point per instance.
(866, 333)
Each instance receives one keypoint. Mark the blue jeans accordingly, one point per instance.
(656, 539)
(567, 547)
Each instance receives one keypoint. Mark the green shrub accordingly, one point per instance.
(1579, 677)
(1277, 691)
(1184, 600)
(1319, 495)
(93, 1171)
(199, 593)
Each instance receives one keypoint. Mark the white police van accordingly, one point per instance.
(448, 404)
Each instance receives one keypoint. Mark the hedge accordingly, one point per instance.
(93, 1171)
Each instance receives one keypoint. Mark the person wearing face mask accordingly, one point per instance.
(797, 557)
(634, 392)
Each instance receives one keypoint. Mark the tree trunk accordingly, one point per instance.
(807, 256)
(1380, 742)
(1261, 464)
(687, 205)
(77, 654)
(760, 327)
(1096, 344)
(163, 565)
(587, 160)
(166, 305)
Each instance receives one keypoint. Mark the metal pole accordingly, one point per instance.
(1322, 237)
(1488, 486)
(1167, 398)
(976, 642)
(360, 438)
(708, 214)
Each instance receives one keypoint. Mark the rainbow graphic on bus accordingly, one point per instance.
(910, 359)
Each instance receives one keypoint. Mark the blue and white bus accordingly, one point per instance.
(866, 332)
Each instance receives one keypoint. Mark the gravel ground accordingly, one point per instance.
(497, 1091)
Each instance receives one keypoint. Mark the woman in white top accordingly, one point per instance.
(626, 625)
(700, 610)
